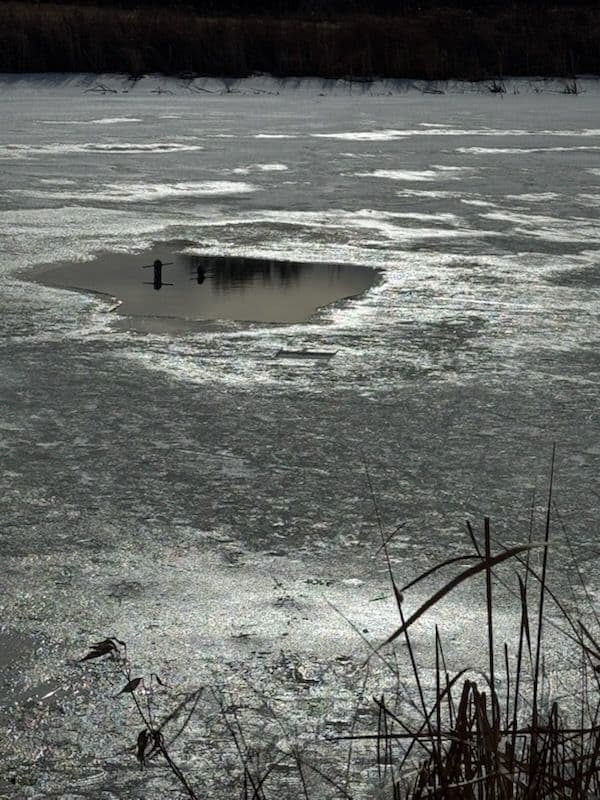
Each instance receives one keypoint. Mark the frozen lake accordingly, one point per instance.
(206, 500)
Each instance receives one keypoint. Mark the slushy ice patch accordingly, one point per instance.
(170, 281)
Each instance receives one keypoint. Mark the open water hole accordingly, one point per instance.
(170, 281)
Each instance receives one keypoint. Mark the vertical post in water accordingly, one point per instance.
(157, 273)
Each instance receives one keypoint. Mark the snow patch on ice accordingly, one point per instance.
(477, 203)
(22, 151)
(260, 168)
(523, 150)
(501, 133)
(58, 181)
(534, 197)
(275, 136)
(360, 155)
(414, 175)
(364, 136)
(144, 192)
(442, 130)
(429, 194)
(101, 121)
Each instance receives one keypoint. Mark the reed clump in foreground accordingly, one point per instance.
(498, 735)
(475, 740)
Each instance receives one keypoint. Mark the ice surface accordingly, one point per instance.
(202, 498)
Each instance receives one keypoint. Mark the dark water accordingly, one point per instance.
(193, 287)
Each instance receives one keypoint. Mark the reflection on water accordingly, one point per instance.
(198, 287)
(228, 273)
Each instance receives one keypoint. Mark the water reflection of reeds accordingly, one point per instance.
(226, 272)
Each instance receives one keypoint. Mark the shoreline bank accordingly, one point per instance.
(264, 84)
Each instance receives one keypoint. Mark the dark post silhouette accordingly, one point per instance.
(157, 274)
(157, 266)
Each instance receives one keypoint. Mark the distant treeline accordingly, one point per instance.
(432, 43)
(326, 9)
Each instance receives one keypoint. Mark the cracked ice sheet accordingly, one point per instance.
(139, 468)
